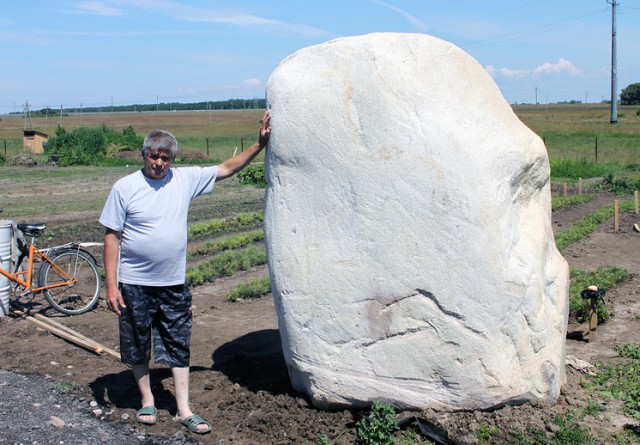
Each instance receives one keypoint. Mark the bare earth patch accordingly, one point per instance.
(239, 378)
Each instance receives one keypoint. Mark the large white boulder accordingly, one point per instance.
(408, 230)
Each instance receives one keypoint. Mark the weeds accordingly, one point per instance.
(603, 277)
(558, 202)
(64, 387)
(622, 380)
(378, 427)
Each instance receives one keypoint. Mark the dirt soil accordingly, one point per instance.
(239, 380)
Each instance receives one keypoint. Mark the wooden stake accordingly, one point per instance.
(635, 199)
(616, 215)
(579, 186)
(65, 332)
(565, 189)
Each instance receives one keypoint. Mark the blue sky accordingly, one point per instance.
(97, 53)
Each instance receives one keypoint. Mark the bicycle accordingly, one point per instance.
(69, 276)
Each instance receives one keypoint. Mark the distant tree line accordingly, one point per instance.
(230, 104)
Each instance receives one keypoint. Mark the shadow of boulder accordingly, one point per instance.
(255, 361)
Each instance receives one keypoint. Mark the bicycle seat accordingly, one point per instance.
(34, 230)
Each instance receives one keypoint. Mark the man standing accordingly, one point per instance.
(145, 217)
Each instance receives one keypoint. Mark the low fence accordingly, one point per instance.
(620, 149)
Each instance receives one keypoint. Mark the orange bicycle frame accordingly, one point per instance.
(26, 282)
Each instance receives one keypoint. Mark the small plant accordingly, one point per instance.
(64, 387)
(323, 439)
(485, 433)
(378, 427)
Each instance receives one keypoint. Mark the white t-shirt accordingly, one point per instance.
(152, 216)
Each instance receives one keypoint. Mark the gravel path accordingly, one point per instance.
(34, 411)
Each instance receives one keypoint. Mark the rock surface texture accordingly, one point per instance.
(408, 228)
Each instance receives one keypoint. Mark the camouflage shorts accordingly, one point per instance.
(161, 313)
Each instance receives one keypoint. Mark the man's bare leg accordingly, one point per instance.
(181, 382)
(141, 374)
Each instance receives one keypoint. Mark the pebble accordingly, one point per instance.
(56, 421)
(93, 404)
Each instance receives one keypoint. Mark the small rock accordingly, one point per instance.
(37, 405)
(54, 363)
(125, 416)
(97, 412)
(56, 421)
(93, 403)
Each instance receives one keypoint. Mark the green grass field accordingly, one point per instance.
(223, 132)
(569, 131)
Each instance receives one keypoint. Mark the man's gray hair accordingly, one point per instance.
(160, 140)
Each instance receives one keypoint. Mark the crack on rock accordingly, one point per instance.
(435, 301)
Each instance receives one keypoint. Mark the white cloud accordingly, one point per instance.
(561, 66)
(183, 12)
(96, 8)
(252, 83)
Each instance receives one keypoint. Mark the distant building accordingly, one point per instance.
(33, 141)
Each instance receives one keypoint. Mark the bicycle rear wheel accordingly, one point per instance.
(77, 298)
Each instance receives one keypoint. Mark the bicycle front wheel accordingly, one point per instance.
(77, 298)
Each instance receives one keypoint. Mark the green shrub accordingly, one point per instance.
(227, 243)
(90, 146)
(620, 186)
(253, 175)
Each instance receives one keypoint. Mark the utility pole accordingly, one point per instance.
(614, 63)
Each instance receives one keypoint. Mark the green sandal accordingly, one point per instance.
(193, 422)
(147, 411)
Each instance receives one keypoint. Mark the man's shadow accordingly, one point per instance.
(254, 361)
(121, 390)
